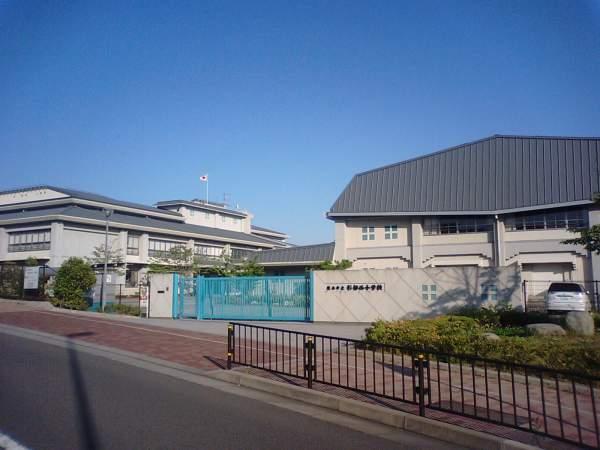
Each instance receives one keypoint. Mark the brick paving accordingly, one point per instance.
(341, 364)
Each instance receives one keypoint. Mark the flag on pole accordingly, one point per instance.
(204, 178)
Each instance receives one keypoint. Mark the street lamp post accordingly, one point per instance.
(107, 213)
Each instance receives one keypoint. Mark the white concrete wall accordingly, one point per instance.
(402, 296)
(161, 295)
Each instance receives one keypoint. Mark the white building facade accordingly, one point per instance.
(53, 224)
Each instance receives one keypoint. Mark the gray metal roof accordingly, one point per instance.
(201, 205)
(97, 198)
(301, 254)
(266, 230)
(163, 226)
(492, 175)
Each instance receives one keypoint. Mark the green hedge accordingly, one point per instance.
(465, 335)
(122, 309)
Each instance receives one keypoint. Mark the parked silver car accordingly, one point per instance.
(567, 296)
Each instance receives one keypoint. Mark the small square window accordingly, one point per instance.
(368, 233)
(429, 292)
(391, 232)
(489, 293)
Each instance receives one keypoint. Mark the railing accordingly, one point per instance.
(559, 404)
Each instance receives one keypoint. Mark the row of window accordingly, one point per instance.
(433, 226)
(569, 219)
(208, 251)
(456, 225)
(208, 216)
(27, 241)
(489, 292)
(390, 232)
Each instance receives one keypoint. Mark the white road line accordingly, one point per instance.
(7, 443)
(105, 321)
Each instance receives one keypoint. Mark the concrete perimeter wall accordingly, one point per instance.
(401, 294)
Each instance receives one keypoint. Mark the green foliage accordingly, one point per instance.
(501, 316)
(335, 265)
(596, 317)
(178, 259)
(511, 331)
(31, 262)
(115, 258)
(122, 309)
(443, 334)
(228, 268)
(464, 335)
(73, 279)
(589, 238)
(250, 269)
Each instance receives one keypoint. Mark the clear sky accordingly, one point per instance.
(279, 102)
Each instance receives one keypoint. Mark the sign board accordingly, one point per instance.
(108, 278)
(31, 277)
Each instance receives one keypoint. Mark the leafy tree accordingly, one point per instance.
(31, 262)
(590, 237)
(115, 258)
(73, 279)
(178, 259)
(250, 268)
(335, 265)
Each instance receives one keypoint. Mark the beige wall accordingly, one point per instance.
(402, 297)
(353, 233)
(30, 196)
(161, 295)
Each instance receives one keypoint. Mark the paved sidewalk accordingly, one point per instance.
(199, 350)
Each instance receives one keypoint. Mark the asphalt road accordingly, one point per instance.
(61, 398)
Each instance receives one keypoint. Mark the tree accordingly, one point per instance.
(73, 279)
(590, 237)
(178, 259)
(115, 258)
(335, 265)
(31, 262)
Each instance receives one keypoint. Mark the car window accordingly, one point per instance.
(565, 287)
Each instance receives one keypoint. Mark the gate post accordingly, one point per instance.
(175, 296)
(269, 301)
(421, 389)
(230, 345)
(199, 297)
(525, 295)
(309, 365)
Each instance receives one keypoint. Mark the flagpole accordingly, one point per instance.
(207, 189)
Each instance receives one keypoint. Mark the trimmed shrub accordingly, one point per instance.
(74, 278)
(451, 334)
(122, 309)
(464, 335)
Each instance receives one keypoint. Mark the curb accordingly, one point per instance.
(397, 419)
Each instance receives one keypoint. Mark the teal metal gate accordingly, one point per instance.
(243, 298)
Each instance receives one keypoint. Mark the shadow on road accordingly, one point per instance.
(87, 428)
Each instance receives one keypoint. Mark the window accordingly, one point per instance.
(133, 245)
(207, 215)
(223, 219)
(208, 251)
(239, 253)
(457, 225)
(27, 241)
(489, 292)
(429, 292)
(158, 248)
(368, 233)
(549, 220)
(391, 231)
(236, 221)
(191, 212)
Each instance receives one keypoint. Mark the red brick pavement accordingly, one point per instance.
(206, 351)
(199, 350)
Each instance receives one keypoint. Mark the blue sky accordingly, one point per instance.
(279, 102)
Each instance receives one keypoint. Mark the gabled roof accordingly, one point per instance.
(267, 230)
(157, 226)
(304, 254)
(201, 205)
(96, 198)
(493, 175)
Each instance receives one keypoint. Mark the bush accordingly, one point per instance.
(464, 335)
(122, 309)
(74, 278)
(450, 334)
(596, 317)
(501, 316)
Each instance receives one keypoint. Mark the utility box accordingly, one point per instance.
(161, 295)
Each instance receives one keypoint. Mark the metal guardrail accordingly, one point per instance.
(555, 403)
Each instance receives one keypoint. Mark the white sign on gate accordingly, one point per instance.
(31, 277)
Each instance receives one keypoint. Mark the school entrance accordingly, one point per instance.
(242, 298)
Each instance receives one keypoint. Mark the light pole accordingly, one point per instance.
(107, 213)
